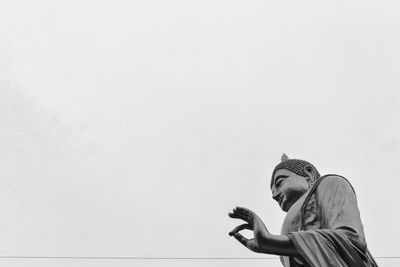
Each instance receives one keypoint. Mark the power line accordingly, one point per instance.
(153, 258)
(133, 258)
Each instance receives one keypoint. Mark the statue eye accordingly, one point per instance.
(280, 179)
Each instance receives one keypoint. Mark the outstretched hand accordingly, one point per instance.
(253, 223)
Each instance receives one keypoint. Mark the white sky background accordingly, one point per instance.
(133, 128)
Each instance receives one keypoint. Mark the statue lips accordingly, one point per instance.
(280, 199)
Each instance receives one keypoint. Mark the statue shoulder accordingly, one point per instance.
(331, 181)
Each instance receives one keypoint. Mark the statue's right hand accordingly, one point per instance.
(251, 244)
(253, 223)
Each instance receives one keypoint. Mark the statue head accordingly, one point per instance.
(291, 178)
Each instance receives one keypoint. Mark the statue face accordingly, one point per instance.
(287, 188)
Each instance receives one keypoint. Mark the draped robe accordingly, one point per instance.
(325, 227)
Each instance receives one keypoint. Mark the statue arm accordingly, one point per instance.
(263, 241)
(279, 245)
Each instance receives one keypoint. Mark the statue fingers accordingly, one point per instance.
(250, 215)
(241, 211)
(234, 215)
(241, 239)
(245, 211)
(244, 215)
(240, 228)
(238, 215)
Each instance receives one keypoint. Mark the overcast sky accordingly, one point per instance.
(131, 129)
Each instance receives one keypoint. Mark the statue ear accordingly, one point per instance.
(310, 171)
(284, 157)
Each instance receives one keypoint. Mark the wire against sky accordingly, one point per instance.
(154, 258)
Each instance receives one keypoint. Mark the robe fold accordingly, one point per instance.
(325, 227)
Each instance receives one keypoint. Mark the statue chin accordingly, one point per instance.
(285, 208)
(284, 205)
